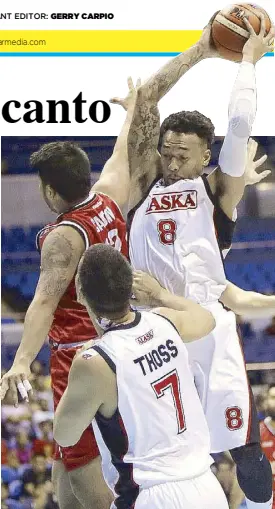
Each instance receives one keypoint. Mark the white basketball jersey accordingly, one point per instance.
(176, 234)
(159, 432)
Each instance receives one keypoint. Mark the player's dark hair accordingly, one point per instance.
(191, 122)
(65, 167)
(106, 280)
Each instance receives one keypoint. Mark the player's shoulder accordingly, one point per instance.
(63, 236)
(84, 362)
(167, 315)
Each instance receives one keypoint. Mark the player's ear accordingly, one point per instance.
(206, 157)
(50, 192)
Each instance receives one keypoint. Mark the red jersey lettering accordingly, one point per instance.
(172, 202)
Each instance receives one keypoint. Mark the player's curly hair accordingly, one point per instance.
(106, 280)
(65, 167)
(189, 122)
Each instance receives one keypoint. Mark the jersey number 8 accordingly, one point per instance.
(167, 231)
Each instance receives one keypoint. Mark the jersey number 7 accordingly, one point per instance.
(172, 383)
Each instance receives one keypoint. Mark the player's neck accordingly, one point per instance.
(272, 423)
(66, 207)
(128, 318)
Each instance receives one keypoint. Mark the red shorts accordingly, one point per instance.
(86, 448)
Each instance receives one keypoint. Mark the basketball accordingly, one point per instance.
(229, 31)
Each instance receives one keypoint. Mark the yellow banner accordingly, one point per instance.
(97, 41)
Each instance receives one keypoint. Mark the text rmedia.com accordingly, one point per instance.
(23, 42)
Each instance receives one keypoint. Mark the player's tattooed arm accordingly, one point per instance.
(59, 260)
(161, 82)
(143, 140)
(61, 252)
(165, 78)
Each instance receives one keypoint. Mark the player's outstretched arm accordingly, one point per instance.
(243, 302)
(114, 179)
(60, 255)
(142, 146)
(228, 181)
(191, 320)
(80, 401)
(165, 78)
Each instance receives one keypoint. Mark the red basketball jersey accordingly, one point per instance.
(268, 446)
(98, 220)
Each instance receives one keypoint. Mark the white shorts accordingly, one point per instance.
(218, 366)
(203, 492)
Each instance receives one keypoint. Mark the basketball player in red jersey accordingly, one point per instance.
(267, 432)
(86, 216)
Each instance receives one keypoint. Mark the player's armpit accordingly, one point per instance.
(193, 323)
(227, 190)
(80, 402)
(60, 255)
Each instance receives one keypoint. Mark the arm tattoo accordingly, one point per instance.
(161, 82)
(57, 262)
(143, 139)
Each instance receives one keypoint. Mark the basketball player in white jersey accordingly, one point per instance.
(178, 230)
(137, 384)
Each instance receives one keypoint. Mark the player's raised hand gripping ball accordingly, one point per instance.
(230, 31)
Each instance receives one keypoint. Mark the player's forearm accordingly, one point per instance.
(242, 112)
(249, 303)
(169, 300)
(163, 80)
(257, 305)
(64, 434)
(38, 321)
(121, 142)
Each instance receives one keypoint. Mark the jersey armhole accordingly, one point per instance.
(169, 321)
(224, 226)
(106, 357)
(78, 228)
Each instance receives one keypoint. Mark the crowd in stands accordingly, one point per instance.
(27, 446)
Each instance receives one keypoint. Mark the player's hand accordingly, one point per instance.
(146, 289)
(129, 100)
(87, 345)
(206, 42)
(16, 381)
(257, 45)
(250, 175)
